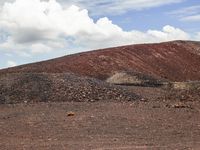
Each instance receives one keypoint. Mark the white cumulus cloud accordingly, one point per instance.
(11, 63)
(34, 26)
(197, 37)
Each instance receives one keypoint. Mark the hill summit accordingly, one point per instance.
(175, 61)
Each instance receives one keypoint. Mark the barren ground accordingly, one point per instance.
(100, 125)
(60, 108)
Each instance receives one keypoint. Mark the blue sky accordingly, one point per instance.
(157, 17)
(70, 26)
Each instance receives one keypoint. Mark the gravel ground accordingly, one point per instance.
(99, 126)
(44, 87)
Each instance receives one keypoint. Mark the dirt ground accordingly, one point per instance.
(61, 108)
(100, 126)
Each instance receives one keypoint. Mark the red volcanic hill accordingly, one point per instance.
(176, 61)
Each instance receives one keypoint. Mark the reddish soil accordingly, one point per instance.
(57, 109)
(99, 126)
(176, 61)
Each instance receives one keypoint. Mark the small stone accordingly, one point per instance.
(115, 139)
(70, 114)
(156, 106)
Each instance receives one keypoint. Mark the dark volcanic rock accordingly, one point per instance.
(43, 87)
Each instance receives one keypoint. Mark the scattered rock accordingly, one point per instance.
(178, 105)
(70, 114)
(156, 106)
(52, 87)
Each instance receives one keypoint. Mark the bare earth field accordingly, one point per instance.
(124, 98)
(99, 126)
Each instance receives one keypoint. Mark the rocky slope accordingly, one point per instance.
(43, 87)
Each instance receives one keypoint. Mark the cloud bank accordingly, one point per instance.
(31, 27)
(11, 63)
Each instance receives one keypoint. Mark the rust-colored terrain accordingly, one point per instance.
(176, 61)
(122, 98)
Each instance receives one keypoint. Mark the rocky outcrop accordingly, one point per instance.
(134, 79)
